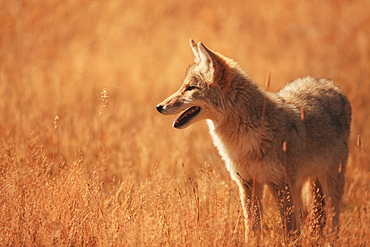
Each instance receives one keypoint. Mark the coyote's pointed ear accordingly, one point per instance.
(194, 48)
(202, 58)
(206, 64)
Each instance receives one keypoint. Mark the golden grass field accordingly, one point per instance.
(85, 159)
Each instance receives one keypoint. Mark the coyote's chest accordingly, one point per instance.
(238, 150)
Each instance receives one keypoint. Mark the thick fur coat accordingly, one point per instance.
(283, 140)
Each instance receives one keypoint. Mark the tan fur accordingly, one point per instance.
(281, 139)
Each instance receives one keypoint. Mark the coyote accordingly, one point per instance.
(281, 140)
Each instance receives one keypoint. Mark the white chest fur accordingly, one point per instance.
(238, 151)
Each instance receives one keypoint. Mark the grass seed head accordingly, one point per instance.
(104, 99)
(284, 146)
(56, 120)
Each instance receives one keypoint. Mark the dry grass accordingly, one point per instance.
(75, 173)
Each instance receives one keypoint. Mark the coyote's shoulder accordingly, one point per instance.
(281, 139)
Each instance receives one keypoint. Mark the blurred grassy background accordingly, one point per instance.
(56, 57)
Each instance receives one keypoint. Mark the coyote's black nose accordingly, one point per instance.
(159, 108)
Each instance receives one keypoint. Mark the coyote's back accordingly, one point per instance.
(281, 140)
(323, 102)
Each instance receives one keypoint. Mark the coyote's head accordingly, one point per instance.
(203, 89)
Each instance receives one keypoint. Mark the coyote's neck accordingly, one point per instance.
(245, 106)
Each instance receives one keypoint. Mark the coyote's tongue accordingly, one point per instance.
(186, 116)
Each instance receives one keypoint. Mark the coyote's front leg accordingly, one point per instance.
(250, 196)
(288, 209)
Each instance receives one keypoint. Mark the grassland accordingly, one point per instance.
(85, 160)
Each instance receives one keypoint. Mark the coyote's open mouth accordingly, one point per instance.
(186, 116)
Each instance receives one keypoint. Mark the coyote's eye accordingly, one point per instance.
(189, 88)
